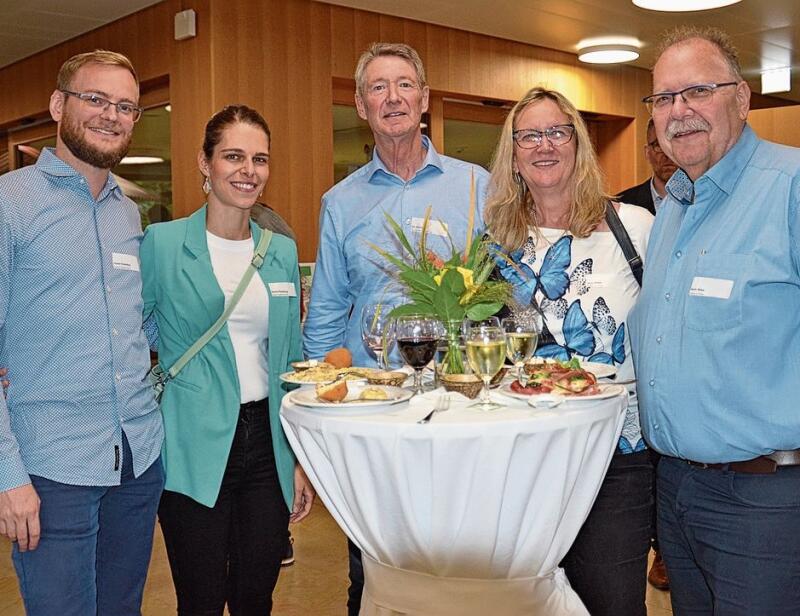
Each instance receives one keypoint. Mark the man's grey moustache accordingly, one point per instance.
(685, 126)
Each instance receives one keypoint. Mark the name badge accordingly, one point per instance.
(282, 289)
(125, 262)
(597, 281)
(435, 227)
(711, 287)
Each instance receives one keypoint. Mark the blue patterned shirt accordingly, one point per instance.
(349, 273)
(716, 331)
(71, 330)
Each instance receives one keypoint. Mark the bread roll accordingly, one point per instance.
(332, 392)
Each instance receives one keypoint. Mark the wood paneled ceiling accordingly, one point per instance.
(767, 32)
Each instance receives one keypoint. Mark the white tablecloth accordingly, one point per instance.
(486, 495)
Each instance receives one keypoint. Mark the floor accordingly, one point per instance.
(314, 586)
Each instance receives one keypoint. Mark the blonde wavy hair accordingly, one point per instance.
(511, 210)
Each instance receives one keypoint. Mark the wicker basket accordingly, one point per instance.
(395, 379)
(497, 378)
(468, 385)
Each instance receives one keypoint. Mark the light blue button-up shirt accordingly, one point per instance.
(71, 330)
(716, 331)
(349, 273)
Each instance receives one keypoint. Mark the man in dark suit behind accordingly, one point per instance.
(649, 193)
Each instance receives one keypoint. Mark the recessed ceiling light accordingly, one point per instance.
(607, 54)
(682, 5)
(141, 160)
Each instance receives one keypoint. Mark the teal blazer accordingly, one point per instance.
(201, 405)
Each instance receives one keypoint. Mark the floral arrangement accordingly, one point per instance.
(449, 289)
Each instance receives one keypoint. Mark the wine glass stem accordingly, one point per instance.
(380, 359)
(417, 381)
(485, 399)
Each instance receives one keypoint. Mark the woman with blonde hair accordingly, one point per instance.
(548, 211)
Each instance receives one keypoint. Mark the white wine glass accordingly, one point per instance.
(377, 330)
(417, 337)
(522, 334)
(486, 352)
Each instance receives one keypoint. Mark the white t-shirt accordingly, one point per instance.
(585, 289)
(248, 323)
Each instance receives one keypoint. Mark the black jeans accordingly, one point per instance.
(607, 564)
(356, 574)
(232, 552)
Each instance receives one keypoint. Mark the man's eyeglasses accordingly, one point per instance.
(655, 146)
(530, 138)
(95, 101)
(697, 95)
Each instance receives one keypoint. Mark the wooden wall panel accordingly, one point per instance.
(780, 124)
(145, 37)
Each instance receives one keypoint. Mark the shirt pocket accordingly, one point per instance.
(707, 313)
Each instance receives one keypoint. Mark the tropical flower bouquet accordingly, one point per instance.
(448, 289)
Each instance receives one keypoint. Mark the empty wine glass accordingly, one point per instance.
(522, 333)
(417, 337)
(486, 352)
(377, 329)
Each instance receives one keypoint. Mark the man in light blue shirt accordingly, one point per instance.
(80, 432)
(715, 337)
(404, 177)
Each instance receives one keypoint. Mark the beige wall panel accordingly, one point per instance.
(781, 125)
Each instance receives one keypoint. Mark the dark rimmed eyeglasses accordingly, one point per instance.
(655, 146)
(697, 95)
(530, 138)
(95, 101)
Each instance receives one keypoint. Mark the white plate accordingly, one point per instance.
(308, 397)
(606, 391)
(289, 377)
(601, 371)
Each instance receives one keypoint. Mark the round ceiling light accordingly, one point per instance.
(675, 6)
(607, 54)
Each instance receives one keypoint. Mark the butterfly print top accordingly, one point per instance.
(585, 290)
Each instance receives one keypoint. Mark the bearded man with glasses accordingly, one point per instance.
(719, 305)
(80, 433)
(650, 193)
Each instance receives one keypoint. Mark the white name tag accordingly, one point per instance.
(435, 227)
(282, 289)
(711, 287)
(126, 262)
(597, 281)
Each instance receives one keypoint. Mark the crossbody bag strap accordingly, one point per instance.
(255, 264)
(624, 241)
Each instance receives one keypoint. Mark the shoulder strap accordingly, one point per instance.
(624, 241)
(255, 263)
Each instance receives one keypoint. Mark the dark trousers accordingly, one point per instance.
(731, 541)
(231, 553)
(95, 545)
(607, 564)
(356, 579)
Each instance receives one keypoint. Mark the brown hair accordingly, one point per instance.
(510, 209)
(98, 56)
(399, 50)
(231, 114)
(715, 36)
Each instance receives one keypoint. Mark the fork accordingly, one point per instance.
(442, 404)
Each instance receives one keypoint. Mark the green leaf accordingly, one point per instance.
(446, 297)
(407, 309)
(401, 236)
(418, 281)
(479, 312)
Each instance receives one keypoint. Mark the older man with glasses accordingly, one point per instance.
(80, 434)
(715, 337)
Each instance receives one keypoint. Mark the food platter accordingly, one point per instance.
(549, 399)
(600, 370)
(308, 397)
(312, 376)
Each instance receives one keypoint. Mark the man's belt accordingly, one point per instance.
(765, 464)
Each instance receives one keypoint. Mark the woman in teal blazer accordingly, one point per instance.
(232, 481)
